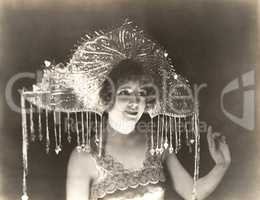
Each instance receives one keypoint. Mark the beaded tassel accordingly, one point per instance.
(87, 128)
(179, 133)
(24, 149)
(90, 131)
(187, 135)
(68, 128)
(186, 131)
(40, 124)
(171, 134)
(59, 142)
(47, 131)
(77, 132)
(176, 135)
(31, 123)
(88, 120)
(152, 151)
(197, 149)
(162, 136)
(192, 129)
(158, 135)
(197, 156)
(197, 145)
(166, 134)
(96, 129)
(55, 132)
(83, 131)
(100, 137)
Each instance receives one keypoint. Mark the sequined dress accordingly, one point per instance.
(115, 182)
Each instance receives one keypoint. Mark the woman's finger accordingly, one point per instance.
(223, 139)
(225, 150)
(217, 139)
(209, 132)
(209, 137)
(216, 135)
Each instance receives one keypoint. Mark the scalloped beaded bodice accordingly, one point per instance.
(115, 182)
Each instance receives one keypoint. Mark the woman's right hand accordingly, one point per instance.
(218, 148)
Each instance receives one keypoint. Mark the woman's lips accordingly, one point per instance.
(131, 113)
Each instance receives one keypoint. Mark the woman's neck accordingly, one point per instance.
(116, 136)
(121, 127)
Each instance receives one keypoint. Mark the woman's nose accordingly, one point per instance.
(135, 99)
(133, 105)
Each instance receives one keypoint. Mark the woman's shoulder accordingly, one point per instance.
(82, 162)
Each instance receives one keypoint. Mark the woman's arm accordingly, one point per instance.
(81, 171)
(183, 182)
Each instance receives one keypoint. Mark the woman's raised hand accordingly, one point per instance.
(218, 148)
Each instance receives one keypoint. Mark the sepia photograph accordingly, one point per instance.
(129, 100)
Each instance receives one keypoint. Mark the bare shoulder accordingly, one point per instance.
(82, 162)
(169, 158)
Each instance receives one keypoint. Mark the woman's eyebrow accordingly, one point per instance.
(124, 87)
(145, 87)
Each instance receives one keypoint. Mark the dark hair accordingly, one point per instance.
(124, 71)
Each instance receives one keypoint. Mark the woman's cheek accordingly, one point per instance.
(143, 103)
(121, 103)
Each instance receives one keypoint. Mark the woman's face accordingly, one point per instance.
(129, 103)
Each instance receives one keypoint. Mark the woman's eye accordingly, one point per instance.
(143, 93)
(124, 92)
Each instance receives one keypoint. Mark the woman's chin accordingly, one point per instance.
(125, 131)
(128, 127)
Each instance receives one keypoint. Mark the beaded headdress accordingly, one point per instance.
(71, 91)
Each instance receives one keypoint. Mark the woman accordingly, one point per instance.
(125, 170)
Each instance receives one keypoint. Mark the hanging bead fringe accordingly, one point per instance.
(24, 148)
(32, 123)
(96, 129)
(166, 134)
(57, 148)
(170, 133)
(177, 125)
(87, 120)
(47, 131)
(87, 136)
(179, 134)
(42, 129)
(77, 132)
(40, 124)
(197, 156)
(68, 128)
(100, 136)
(152, 150)
(162, 136)
(59, 142)
(89, 133)
(157, 150)
(83, 143)
(171, 137)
